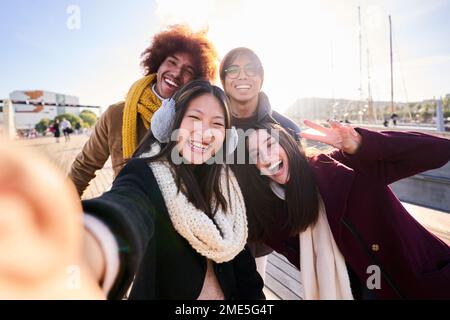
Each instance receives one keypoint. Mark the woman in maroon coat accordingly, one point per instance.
(368, 223)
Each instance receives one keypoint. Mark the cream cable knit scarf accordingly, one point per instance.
(219, 240)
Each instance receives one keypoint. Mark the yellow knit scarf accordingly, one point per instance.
(140, 99)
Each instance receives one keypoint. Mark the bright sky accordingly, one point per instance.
(308, 48)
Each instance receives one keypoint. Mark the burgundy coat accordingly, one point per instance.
(368, 222)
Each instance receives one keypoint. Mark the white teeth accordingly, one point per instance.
(275, 167)
(171, 82)
(243, 87)
(199, 147)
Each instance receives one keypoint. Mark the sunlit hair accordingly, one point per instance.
(301, 204)
(200, 183)
(231, 56)
(180, 38)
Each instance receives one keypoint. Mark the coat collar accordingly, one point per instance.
(334, 181)
(264, 108)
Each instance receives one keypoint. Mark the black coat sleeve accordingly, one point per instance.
(127, 210)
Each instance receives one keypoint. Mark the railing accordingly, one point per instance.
(62, 105)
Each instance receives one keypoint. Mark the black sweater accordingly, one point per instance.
(265, 114)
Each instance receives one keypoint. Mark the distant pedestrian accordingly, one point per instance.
(77, 128)
(66, 129)
(394, 118)
(32, 134)
(56, 131)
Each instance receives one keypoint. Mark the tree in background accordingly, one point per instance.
(42, 125)
(89, 118)
(73, 119)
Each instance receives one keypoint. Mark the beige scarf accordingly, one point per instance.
(323, 271)
(219, 240)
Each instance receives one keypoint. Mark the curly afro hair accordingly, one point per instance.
(180, 38)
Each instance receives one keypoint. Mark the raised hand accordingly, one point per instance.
(40, 232)
(340, 136)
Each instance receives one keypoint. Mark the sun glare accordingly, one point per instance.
(308, 48)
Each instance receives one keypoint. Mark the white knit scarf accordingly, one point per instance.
(219, 240)
(323, 272)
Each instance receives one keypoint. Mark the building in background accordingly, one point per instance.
(43, 104)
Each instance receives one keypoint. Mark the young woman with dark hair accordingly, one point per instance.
(171, 229)
(242, 75)
(334, 216)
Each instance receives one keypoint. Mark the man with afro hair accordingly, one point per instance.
(176, 56)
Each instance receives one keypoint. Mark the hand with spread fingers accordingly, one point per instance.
(40, 231)
(343, 137)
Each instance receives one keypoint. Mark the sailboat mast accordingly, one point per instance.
(360, 56)
(392, 71)
(370, 109)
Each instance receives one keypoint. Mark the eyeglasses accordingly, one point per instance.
(250, 70)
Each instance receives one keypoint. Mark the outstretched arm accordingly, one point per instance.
(45, 250)
(127, 211)
(389, 155)
(41, 232)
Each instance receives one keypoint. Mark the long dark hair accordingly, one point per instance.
(200, 183)
(302, 200)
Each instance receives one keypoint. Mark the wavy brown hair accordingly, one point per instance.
(180, 38)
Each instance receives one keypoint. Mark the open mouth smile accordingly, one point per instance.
(171, 83)
(243, 87)
(275, 168)
(199, 147)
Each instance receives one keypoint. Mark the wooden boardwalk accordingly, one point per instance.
(62, 154)
(282, 278)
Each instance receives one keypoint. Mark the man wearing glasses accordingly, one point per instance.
(242, 76)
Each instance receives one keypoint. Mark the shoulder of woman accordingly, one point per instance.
(136, 172)
(136, 165)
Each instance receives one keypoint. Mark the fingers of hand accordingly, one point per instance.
(315, 126)
(316, 137)
(38, 214)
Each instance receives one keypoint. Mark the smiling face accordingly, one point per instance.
(245, 85)
(270, 158)
(175, 71)
(202, 130)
